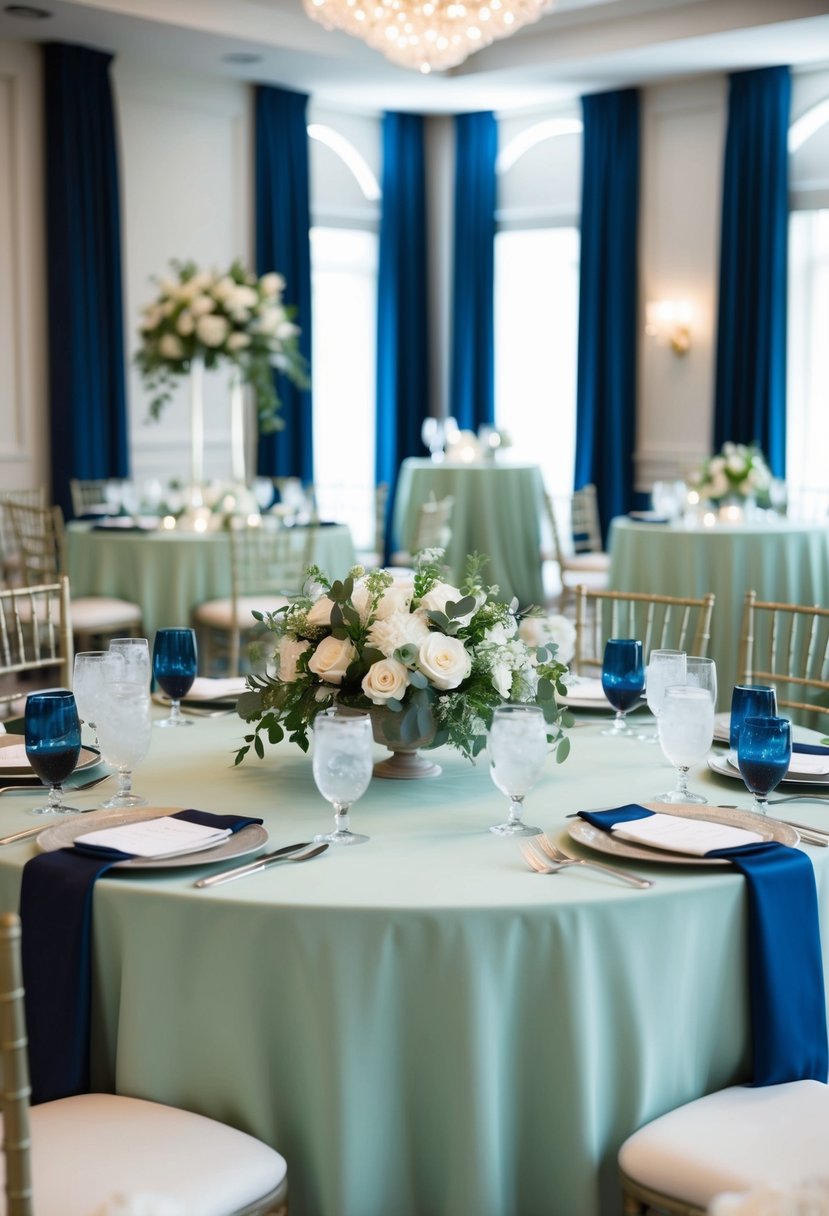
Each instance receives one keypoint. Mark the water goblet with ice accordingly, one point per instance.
(517, 746)
(94, 669)
(342, 766)
(124, 732)
(686, 731)
(665, 667)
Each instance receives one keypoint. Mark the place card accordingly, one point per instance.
(162, 837)
(676, 834)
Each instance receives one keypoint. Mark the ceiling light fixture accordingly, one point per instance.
(427, 34)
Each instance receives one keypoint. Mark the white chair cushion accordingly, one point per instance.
(598, 562)
(100, 612)
(734, 1140)
(89, 1149)
(218, 614)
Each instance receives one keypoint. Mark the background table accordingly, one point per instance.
(420, 1024)
(169, 573)
(781, 560)
(496, 511)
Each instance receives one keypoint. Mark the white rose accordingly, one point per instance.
(200, 306)
(271, 284)
(242, 297)
(397, 598)
(185, 324)
(238, 342)
(715, 466)
(720, 486)
(212, 331)
(170, 347)
(736, 464)
(332, 659)
(289, 651)
(444, 661)
(269, 320)
(384, 681)
(501, 675)
(286, 330)
(320, 612)
(361, 600)
(223, 288)
(442, 594)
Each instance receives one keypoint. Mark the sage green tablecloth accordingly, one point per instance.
(169, 573)
(496, 511)
(421, 1025)
(781, 560)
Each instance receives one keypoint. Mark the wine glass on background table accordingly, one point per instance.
(517, 746)
(93, 669)
(175, 663)
(686, 732)
(749, 701)
(53, 744)
(342, 766)
(124, 732)
(623, 678)
(764, 752)
(136, 655)
(665, 667)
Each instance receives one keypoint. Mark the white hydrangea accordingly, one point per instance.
(398, 629)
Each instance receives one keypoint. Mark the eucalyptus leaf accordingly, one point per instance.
(462, 608)
(249, 705)
(563, 750)
(418, 679)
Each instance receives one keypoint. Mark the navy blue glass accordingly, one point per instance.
(750, 701)
(53, 744)
(623, 678)
(175, 663)
(764, 752)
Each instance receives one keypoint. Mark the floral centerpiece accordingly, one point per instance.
(434, 660)
(232, 317)
(737, 471)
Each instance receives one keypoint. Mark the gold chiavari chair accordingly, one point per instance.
(662, 622)
(576, 540)
(10, 562)
(84, 1152)
(786, 645)
(35, 638)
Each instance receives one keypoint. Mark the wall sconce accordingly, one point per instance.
(669, 321)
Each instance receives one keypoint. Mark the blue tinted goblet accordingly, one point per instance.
(764, 752)
(53, 744)
(749, 701)
(623, 678)
(175, 664)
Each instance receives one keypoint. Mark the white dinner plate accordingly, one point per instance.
(719, 763)
(606, 842)
(62, 836)
(87, 757)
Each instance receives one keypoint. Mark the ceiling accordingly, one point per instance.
(581, 46)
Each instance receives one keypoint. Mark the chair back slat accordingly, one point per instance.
(16, 1091)
(787, 646)
(35, 635)
(659, 621)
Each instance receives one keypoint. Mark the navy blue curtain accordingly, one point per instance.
(87, 400)
(283, 243)
(750, 399)
(402, 329)
(472, 399)
(608, 300)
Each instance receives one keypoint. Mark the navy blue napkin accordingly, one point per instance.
(788, 1004)
(56, 912)
(810, 749)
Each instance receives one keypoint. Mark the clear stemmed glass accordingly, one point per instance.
(53, 744)
(175, 663)
(342, 765)
(136, 655)
(665, 667)
(749, 701)
(623, 678)
(517, 747)
(124, 731)
(686, 731)
(432, 432)
(764, 752)
(92, 671)
(701, 673)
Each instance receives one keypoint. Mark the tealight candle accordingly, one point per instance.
(709, 519)
(168, 522)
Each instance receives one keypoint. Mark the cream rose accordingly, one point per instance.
(444, 661)
(384, 681)
(212, 331)
(320, 612)
(397, 598)
(332, 659)
(289, 651)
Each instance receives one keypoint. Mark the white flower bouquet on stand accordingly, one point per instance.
(738, 471)
(429, 661)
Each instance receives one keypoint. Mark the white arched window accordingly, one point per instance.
(807, 418)
(537, 291)
(344, 153)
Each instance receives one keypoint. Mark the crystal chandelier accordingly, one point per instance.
(427, 34)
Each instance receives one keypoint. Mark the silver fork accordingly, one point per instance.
(545, 858)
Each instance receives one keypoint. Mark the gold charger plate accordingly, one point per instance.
(87, 757)
(62, 836)
(605, 842)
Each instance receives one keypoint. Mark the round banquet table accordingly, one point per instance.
(782, 560)
(421, 1024)
(169, 573)
(496, 512)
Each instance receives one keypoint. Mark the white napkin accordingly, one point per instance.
(806, 762)
(586, 690)
(679, 835)
(162, 837)
(204, 688)
(13, 756)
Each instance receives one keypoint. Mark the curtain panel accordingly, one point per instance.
(283, 244)
(402, 325)
(608, 300)
(750, 401)
(87, 396)
(472, 383)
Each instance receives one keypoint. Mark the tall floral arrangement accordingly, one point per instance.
(738, 469)
(434, 656)
(231, 317)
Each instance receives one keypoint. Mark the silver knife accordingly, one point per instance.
(262, 863)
